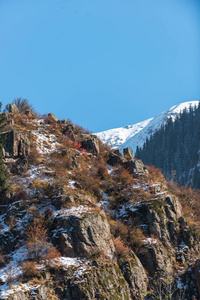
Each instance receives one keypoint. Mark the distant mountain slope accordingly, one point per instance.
(135, 135)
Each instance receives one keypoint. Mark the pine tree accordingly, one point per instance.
(175, 147)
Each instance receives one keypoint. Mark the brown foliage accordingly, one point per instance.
(37, 243)
(155, 174)
(118, 229)
(120, 188)
(20, 195)
(23, 105)
(136, 238)
(36, 236)
(121, 250)
(29, 270)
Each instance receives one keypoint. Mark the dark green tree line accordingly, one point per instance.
(175, 148)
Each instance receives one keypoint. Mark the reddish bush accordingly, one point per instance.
(118, 229)
(20, 195)
(121, 250)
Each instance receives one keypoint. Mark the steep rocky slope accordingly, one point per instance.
(82, 221)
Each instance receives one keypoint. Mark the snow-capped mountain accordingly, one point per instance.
(135, 135)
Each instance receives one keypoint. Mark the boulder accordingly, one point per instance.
(29, 112)
(115, 159)
(12, 108)
(69, 130)
(53, 117)
(128, 154)
(91, 144)
(39, 293)
(136, 167)
(117, 152)
(63, 122)
(82, 234)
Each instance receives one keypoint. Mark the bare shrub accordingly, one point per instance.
(121, 250)
(136, 238)
(29, 269)
(23, 105)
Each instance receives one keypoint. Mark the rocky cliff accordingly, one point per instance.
(82, 221)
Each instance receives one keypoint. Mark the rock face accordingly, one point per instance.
(197, 275)
(90, 143)
(115, 159)
(135, 166)
(53, 117)
(101, 281)
(40, 293)
(128, 154)
(16, 144)
(69, 130)
(135, 275)
(84, 235)
(12, 108)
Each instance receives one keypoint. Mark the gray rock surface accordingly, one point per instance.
(82, 235)
(53, 117)
(17, 144)
(12, 108)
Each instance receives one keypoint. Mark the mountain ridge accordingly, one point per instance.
(136, 134)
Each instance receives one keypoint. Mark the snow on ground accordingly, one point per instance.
(66, 262)
(71, 184)
(135, 135)
(6, 290)
(46, 143)
(39, 172)
(3, 227)
(150, 241)
(14, 270)
(77, 211)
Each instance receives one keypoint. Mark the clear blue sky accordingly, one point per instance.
(101, 63)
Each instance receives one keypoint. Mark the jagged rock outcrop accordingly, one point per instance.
(135, 166)
(90, 143)
(155, 259)
(17, 144)
(100, 281)
(39, 293)
(52, 117)
(12, 108)
(135, 275)
(128, 154)
(69, 130)
(81, 235)
(116, 159)
(196, 271)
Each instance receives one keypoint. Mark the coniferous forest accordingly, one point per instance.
(175, 148)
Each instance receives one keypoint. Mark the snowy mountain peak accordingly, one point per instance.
(135, 135)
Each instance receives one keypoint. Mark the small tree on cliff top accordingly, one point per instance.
(37, 243)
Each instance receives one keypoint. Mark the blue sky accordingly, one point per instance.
(101, 63)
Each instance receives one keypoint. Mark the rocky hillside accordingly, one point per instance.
(135, 135)
(82, 221)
